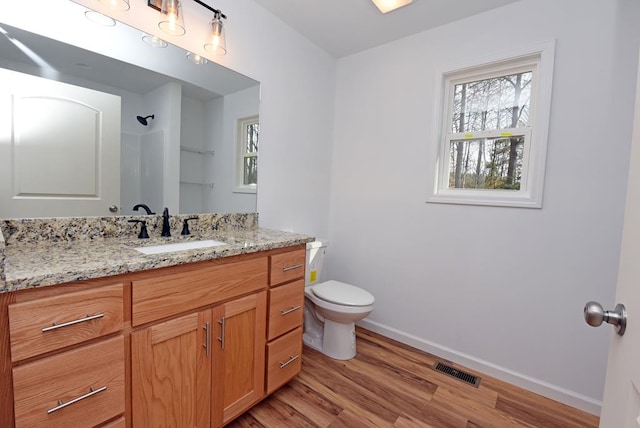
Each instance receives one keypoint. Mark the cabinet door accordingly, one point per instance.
(171, 373)
(238, 368)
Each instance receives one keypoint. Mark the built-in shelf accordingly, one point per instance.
(196, 184)
(198, 151)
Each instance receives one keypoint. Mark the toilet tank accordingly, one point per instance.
(315, 261)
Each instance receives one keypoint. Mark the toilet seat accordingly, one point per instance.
(342, 294)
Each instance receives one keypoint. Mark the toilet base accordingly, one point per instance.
(339, 340)
(312, 342)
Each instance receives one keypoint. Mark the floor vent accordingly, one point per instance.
(458, 374)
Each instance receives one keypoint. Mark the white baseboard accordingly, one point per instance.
(545, 389)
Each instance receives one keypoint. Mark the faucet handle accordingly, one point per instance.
(143, 229)
(185, 225)
(166, 227)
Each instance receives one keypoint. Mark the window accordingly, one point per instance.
(247, 164)
(492, 147)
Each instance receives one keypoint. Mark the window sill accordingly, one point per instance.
(515, 199)
(245, 189)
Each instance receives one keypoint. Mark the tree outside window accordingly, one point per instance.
(248, 133)
(501, 106)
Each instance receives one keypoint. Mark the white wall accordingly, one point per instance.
(499, 289)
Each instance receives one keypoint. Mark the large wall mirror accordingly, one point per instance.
(180, 130)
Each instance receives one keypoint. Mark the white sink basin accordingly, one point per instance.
(180, 246)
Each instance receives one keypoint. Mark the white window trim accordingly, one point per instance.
(239, 161)
(534, 159)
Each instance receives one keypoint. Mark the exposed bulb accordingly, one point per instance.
(172, 23)
(217, 43)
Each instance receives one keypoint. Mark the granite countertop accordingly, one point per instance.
(36, 262)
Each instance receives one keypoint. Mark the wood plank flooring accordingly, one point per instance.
(389, 384)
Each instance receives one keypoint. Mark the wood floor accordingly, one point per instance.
(389, 384)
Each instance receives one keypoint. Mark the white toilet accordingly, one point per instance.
(331, 309)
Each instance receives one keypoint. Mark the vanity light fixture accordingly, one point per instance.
(216, 45)
(196, 59)
(388, 5)
(173, 23)
(173, 20)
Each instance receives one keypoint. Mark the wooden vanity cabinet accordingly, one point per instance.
(190, 345)
(206, 367)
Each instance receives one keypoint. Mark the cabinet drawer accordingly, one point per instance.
(285, 308)
(287, 266)
(52, 323)
(89, 380)
(166, 295)
(284, 359)
(118, 423)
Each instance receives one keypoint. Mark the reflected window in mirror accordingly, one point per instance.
(247, 164)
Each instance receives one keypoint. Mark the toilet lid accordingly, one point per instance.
(342, 294)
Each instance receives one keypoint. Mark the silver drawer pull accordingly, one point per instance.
(289, 361)
(62, 405)
(223, 328)
(288, 311)
(207, 338)
(288, 268)
(55, 326)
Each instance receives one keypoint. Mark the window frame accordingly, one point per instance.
(241, 153)
(538, 59)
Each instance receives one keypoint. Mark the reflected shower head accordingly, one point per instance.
(143, 120)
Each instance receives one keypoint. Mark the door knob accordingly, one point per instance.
(594, 315)
(113, 208)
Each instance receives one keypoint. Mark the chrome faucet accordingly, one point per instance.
(143, 206)
(166, 230)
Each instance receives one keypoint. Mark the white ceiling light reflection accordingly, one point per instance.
(196, 59)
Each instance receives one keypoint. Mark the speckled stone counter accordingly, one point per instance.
(42, 252)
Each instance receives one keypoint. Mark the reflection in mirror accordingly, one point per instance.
(178, 144)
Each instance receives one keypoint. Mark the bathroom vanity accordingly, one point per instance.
(95, 333)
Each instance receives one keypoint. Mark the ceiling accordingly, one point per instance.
(344, 27)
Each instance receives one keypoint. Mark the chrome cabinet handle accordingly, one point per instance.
(62, 404)
(55, 326)
(222, 323)
(289, 361)
(288, 311)
(207, 338)
(594, 314)
(288, 268)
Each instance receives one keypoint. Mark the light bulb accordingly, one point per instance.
(172, 22)
(217, 43)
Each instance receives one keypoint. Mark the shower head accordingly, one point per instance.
(143, 120)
